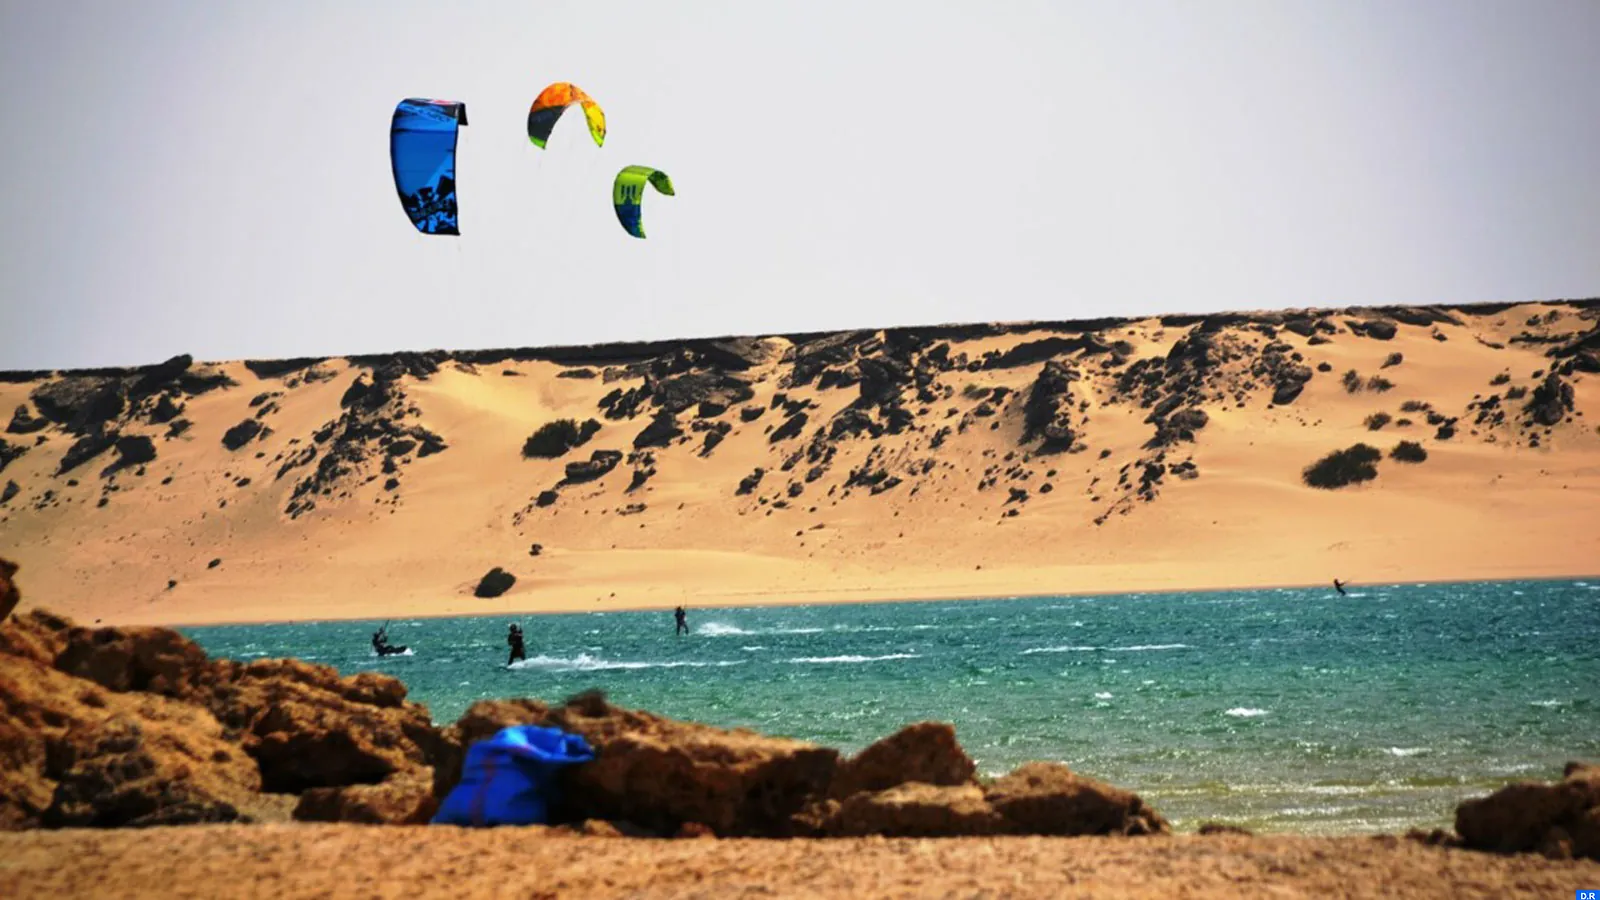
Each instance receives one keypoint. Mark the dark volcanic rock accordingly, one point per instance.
(86, 448)
(790, 427)
(9, 452)
(1179, 426)
(161, 375)
(133, 450)
(494, 582)
(599, 463)
(683, 391)
(750, 482)
(735, 354)
(1029, 352)
(1047, 415)
(165, 410)
(81, 404)
(241, 434)
(660, 432)
(1550, 402)
(23, 422)
(546, 498)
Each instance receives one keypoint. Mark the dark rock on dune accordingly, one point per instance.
(599, 463)
(241, 434)
(751, 413)
(620, 404)
(165, 410)
(790, 428)
(735, 354)
(86, 448)
(10, 490)
(272, 368)
(494, 582)
(1030, 352)
(661, 431)
(1551, 401)
(161, 375)
(811, 357)
(1047, 414)
(177, 427)
(852, 422)
(1178, 426)
(580, 372)
(750, 482)
(1560, 820)
(133, 450)
(546, 498)
(24, 422)
(1421, 316)
(683, 391)
(9, 452)
(710, 409)
(81, 404)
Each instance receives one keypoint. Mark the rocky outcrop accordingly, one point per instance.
(9, 452)
(1560, 820)
(80, 404)
(1550, 402)
(494, 582)
(9, 595)
(1049, 798)
(926, 752)
(1047, 414)
(599, 463)
(24, 422)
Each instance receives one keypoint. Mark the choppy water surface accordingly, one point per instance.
(1283, 710)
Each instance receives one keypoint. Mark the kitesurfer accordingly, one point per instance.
(380, 640)
(1339, 586)
(514, 640)
(683, 621)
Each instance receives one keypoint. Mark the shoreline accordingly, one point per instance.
(841, 597)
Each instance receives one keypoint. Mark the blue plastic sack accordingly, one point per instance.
(510, 779)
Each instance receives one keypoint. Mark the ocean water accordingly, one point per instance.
(1280, 710)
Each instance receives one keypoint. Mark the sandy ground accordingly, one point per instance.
(406, 863)
(1485, 505)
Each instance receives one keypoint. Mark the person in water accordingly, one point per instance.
(514, 639)
(683, 621)
(1339, 586)
(380, 640)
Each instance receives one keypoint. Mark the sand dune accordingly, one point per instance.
(385, 486)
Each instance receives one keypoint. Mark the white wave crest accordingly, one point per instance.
(814, 660)
(1406, 751)
(584, 662)
(1079, 648)
(1245, 712)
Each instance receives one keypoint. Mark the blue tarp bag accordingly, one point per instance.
(510, 779)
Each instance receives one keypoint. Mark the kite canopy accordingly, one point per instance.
(627, 192)
(552, 102)
(422, 151)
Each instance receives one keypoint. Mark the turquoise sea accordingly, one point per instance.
(1292, 710)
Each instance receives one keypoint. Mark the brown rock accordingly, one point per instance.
(9, 595)
(406, 798)
(1049, 798)
(916, 810)
(660, 773)
(926, 752)
(135, 659)
(1558, 819)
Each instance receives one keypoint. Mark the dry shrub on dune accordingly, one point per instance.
(1343, 467)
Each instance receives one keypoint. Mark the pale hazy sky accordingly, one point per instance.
(213, 177)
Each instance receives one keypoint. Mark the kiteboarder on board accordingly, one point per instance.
(1339, 586)
(682, 620)
(514, 640)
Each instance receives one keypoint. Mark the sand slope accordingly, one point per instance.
(389, 485)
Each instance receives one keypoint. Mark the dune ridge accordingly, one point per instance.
(1161, 453)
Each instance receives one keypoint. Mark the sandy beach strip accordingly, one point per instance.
(286, 861)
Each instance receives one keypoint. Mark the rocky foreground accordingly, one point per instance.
(109, 728)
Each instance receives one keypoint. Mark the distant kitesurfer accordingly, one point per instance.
(514, 639)
(1339, 586)
(380, 640)
(683, 621)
